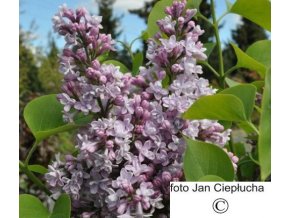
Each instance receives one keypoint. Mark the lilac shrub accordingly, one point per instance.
(134, 147)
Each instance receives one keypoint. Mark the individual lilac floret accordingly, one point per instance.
(134, 146)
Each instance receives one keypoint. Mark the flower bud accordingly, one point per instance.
(166, 176)
(119, 100)
(146, 95)
(139, 111)
(109, 144)
(122, 208)
(146, 115)
(157, 182)
(139, 129)
(145, 104)
(103, 79)
(176, 68)
(161, 75)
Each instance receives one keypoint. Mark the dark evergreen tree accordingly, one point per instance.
(49, 74)
(247, 33)
(28, 70)
(111, 25)
(110, 22)
(205, 10)
(143, 13)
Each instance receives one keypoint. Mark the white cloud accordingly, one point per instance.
(125, 5)
(119, 6)
(233, 20)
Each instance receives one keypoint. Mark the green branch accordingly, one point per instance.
(231, 70)
(218, 42)
(33, 178)
(210, 68)
(34, 146)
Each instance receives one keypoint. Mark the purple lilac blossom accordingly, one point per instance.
(133, 148)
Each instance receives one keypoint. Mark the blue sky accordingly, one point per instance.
(41, 12)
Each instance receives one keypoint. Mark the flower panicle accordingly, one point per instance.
(133, 148)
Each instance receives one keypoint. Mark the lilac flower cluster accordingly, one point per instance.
(134, 146)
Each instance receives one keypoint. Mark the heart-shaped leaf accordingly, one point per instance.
(211, 178)
(217, 107)
(246, 61)
(258, 11)
(246, 93)
(137, 62)
(43, 116)
(31, 207)
(261, 51)
(202, 159)
(62, 207)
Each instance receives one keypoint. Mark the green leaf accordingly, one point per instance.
(123, 68)
(62, 207)
(43, 116)
(229, 5)
(209, 47)
(239, 149)
(231, 83)
(211, 178)
(37, 169)
(31, 207)
(103, 57)
(217, 107)
(247, 169)
(264, 143)
(261, 51)
(137, 62)
(165, 82)
(258, 11)
(247, 126)
(203, 159)
(194, 4)
(226, 124)
(156, 13)
(244, 60)
(246, 93)
(259, 84)
(144, 35)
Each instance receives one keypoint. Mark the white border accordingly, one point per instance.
(9, 107)
(9, 71)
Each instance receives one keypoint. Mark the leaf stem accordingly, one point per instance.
(252, 159)
(210, 68)
(204, 18)
(253, 127)
(231, 146)
(34, 146)
(221, 17)
(24, 168)
(134, 40)
(33, 178)
(218, 42)
(128, 48)
(231, 69)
